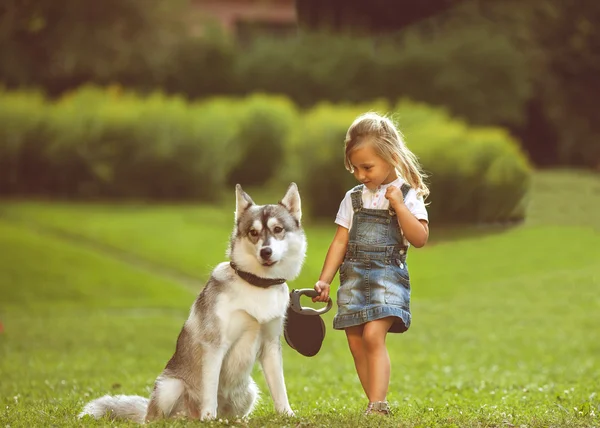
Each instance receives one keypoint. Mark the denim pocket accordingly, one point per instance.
(397, 285)
(402, 275)
(372, 230)
(344, 295)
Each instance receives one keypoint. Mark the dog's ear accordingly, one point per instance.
(291, 201)
(242, 201)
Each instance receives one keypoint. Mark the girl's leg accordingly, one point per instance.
(377, 358)
(355, 342)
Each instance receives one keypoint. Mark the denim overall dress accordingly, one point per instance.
(374, 280)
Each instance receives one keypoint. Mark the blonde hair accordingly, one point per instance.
(388, 143)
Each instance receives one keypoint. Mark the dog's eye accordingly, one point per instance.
(278, 229)
(253, 233)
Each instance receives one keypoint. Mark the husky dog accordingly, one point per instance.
(237, 318)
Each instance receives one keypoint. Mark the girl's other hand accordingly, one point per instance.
(394, 195)
(322, 288)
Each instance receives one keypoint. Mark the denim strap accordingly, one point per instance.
(356, 197)
(405, 188)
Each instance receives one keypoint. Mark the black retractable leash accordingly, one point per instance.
(304, 328)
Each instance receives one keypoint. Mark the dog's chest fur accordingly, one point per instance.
(262, 304)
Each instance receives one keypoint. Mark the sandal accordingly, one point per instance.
(378, 408)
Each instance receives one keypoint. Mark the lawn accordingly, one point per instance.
(505, 320)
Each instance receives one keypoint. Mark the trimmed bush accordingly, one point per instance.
(476, 175)
(23, 135)
(314, 158)
(109, 144)
(96, 143)
(264, 126)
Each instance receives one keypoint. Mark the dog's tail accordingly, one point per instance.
(130, 407)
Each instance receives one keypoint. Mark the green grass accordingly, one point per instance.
(505, 320)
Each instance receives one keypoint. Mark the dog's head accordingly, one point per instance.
(268, 240)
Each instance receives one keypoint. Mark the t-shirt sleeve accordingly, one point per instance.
(344, 215)
(416, 205)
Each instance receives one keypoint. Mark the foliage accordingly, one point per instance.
(197, 67)
(112, 144)
(266, 123)
(23, 133)
(475, 174)
(475, 72)
(558, 44)
(109, 144)
(527, 66)
(316, 158)
(62, 44)
(376, 16)
(569, 40)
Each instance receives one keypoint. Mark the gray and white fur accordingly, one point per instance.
(231, 324)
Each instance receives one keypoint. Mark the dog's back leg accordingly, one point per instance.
(153, 412)
(166, 398)
(192, 407)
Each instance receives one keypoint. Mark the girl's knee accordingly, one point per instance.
(373, 339)
(373, 343)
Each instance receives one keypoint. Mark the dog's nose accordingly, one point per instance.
(266, 252)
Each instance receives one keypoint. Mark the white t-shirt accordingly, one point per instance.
(375, 199)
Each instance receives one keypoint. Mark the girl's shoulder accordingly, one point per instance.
(357, 188)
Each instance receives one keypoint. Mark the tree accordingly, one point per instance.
(60, 43)
(569, 40)
(374, 16)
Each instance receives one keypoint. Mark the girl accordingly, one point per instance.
(377, 221)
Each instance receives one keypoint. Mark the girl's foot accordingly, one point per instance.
(378, 408)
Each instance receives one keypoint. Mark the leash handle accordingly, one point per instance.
(309, 292)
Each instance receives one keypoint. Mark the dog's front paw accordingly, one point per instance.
(208, 415)
(286, 410)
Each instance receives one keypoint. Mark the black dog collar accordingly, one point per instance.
(256, 280)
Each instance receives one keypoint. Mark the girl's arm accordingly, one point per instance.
(333, 260)
(415, 231)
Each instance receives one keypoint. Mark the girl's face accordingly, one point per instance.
(369, 168)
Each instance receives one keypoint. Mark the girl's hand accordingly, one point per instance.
(322, 288)
(394, 195)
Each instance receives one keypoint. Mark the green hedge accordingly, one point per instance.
(264, 127)
(23, 133)
(476, 175)
(523, 65)
(314, 157)
(475, 70)
(96, 143)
